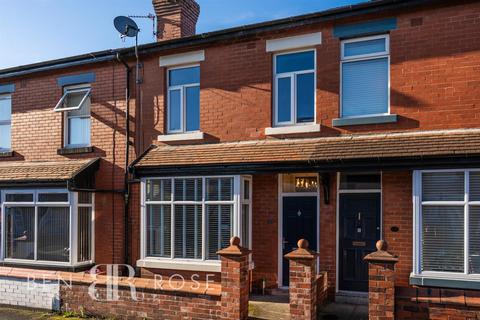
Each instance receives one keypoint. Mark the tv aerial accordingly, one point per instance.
(129, 29)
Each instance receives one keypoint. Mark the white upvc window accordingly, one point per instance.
(294, 87)
(5, 123)
(51, 227)
(447, 224)
(365, 76)
(188, 219)
(75, 105)
(183, 111)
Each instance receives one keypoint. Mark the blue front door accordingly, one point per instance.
(299, 222)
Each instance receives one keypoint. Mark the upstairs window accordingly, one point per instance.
(183, 99)
(294, 88)
(365, 69)
(75, 104)
(5, 122)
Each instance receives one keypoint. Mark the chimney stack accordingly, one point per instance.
(176, 18)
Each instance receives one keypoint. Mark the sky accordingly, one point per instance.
(39, 30)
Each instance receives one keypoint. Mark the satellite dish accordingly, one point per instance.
(126, 26)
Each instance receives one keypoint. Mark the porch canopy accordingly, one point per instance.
(65, 174)
(412, 150)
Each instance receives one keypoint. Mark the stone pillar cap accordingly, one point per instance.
(302, 252)
(234, 249)
(381, 255)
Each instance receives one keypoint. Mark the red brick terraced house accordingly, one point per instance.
(342, 127)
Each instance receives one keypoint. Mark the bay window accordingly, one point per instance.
(47, 227)
(447, 219)
(190, 218)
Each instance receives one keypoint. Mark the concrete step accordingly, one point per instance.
(354, 298)
(269, 307)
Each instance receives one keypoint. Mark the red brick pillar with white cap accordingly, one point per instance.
(303, 287)
(381, 283)
(235, 286)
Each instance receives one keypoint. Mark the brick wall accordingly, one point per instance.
(28, 293)
(437, 304)
(37, 133)
(265, 229)
(397, 212)
(433, 66)
(150, 304)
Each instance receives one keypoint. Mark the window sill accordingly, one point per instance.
(181, 136)
(292, 129)
(70, 150)
(179, 265)
(444, 282)
(6, 154)
(353, 121)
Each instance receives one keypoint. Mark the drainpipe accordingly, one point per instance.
(126, 192)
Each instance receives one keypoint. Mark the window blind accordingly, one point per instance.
(443, 238)
(443, 186)
(365, 87)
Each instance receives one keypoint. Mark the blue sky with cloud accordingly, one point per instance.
(38, 30)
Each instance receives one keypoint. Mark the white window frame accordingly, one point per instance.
(72, 204)
(7, 122)
(293, 87)
(67, 90)
(73, 89)
(183, 107)
(417, 226)
(202, 264)
(364, 57)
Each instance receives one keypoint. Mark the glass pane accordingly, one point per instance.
(219, 228)
(5, 109)
(85, 197)
(219, 189)
(193, 108)
(299, 61)
(84, 233)
(305, 97)
(365, 87)
(246, 189)
(284, 100)
(53, 197)
(73, 99)
(246, 225)
(188, 231)
(19, 197)
(79, 131)
(174, 110)
(5, 137)
(159, 222)
(358, 181)
(443, 238)
(53, 234)
(188, 189)
(20, 233)
(443, 186)
(474, 235)
(364, 47)
(474, 186)
(183, 76)
(159, 190)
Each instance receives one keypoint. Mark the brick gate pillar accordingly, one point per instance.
(381, 283)
(303, 286)
(235, 286)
